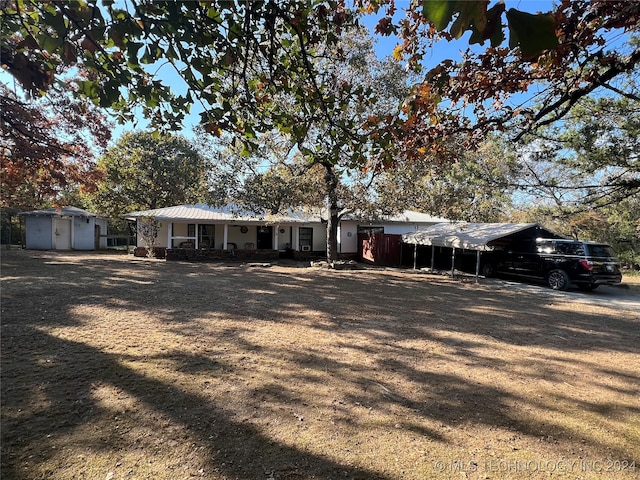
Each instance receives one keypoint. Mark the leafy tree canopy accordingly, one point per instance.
(145, 171)
(48, 148)
(557, 58)
(477, 187)
(231, 54)
(587, 161)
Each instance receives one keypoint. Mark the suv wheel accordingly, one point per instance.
(558, 280)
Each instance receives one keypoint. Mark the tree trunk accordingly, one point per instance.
(331, 183)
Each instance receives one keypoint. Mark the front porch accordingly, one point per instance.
(225, 241)
(200, 232)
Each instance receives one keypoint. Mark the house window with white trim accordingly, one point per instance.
(206, 235)
(305, 239)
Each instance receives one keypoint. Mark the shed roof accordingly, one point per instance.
(470, 236)
(228, 213)
(60, 212)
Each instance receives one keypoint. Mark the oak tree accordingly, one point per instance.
(143, 171)
(555, 58)
(48, 147)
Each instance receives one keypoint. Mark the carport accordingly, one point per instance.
(478, 237)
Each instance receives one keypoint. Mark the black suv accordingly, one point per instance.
(558, 262)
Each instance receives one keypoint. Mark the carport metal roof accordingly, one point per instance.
(469, 236)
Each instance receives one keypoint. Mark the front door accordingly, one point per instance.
(265, 238)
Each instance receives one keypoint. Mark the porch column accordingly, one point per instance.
(225, 236)
(296, 236)
(276, 229)
(477, 266)
(170, 233)
(195, 243)
(415, 255)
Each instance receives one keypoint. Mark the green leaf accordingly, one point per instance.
(214, 15)
(439, 12)
(468, 13)
(147, 58)
(532, 33)
(89, 89)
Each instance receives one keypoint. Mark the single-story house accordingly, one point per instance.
(464, 237)
(64, 228)
(229, 228)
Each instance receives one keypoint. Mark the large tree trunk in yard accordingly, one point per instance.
(331, 182)
(332, 235)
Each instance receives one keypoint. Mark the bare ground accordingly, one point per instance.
(123, 368)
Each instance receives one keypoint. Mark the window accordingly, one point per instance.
(600, 251)
(305, 237)
(206, 236)
(191, 230)
(370, 230)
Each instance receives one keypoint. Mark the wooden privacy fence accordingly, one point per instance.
(380, 248)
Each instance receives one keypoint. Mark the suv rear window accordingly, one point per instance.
(599, 250)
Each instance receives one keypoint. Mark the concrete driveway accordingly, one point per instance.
(620, 296)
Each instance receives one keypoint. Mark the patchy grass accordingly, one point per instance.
(123, 368)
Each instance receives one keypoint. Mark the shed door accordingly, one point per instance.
(62, 234)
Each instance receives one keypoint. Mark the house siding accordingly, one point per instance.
(84, 234)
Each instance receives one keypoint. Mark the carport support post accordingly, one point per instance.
(415, 255)
(453, 261)
(433, 257)
(477, 265)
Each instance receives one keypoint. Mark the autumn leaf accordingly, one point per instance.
(398, 52)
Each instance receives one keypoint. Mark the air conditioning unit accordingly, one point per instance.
(306, 248)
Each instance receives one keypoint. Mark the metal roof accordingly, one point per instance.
(228, 213)
(407, 216)
(59, 212)
(234, 213)
(470, 236)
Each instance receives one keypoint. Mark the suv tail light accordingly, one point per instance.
(586, 264)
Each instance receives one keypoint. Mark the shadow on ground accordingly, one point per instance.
(248, 372)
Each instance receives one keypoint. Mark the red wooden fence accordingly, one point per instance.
(380, 248)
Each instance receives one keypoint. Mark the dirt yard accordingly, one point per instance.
(123, 368)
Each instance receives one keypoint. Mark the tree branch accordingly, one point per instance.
(568, 100)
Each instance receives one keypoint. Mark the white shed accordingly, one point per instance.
(64, 228)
